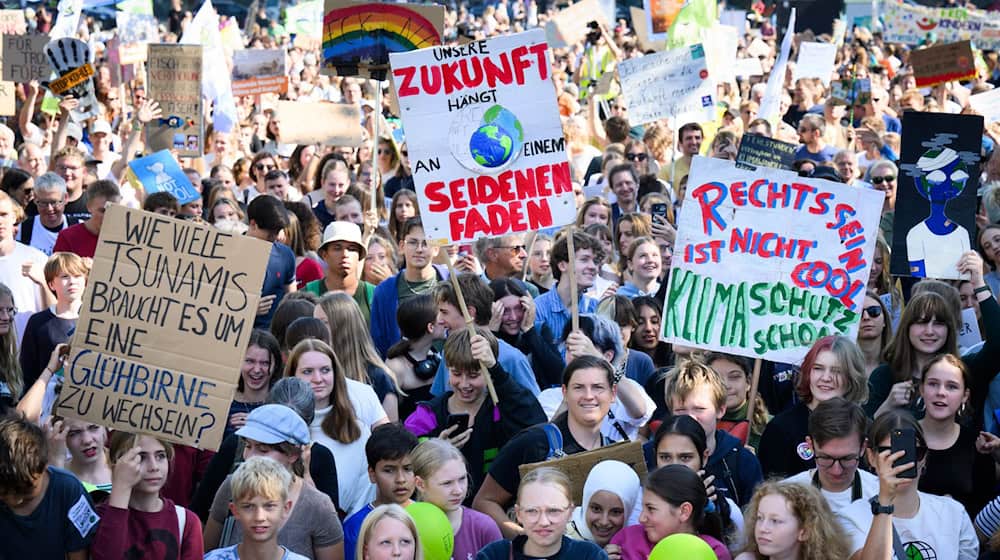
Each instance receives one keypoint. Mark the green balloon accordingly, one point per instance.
(682, 546)
(434, 530)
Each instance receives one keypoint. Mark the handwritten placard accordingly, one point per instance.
(768, 262)
(815, 61)
(24, 58)
(968, 331)
(943, 63)
(7, 99)
(758, 150)
(175, 82)
(257, 71)
(668, 84)
(987, 104)
(167, 315)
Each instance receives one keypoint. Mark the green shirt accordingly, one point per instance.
(362, 296)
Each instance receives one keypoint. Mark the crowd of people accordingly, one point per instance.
(365, 389)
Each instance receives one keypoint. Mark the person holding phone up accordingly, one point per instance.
(927, 526)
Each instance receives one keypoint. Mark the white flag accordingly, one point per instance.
(770, 104)
(215, 84)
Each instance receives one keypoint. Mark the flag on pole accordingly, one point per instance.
(215, 83)
(771, 102)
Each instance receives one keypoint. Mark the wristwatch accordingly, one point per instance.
(879, 509)
(982, 289)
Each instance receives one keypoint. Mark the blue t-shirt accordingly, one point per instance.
(352, 528)
(230, 553)
(64, 521)
(280, 273)
(823, 156)
(323, 215)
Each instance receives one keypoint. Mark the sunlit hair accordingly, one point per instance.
(263, 477)
(686, 377)
(391, 511)
(431, 455)
(10, 366)
(824, 537)
(341, 424)
(350, 336)
(458, 349)
(121, 442)
(548, 476)
(886, 335)
(850, 360)
(593, 201)
(397, 199)
(900, 354)
(642, 226)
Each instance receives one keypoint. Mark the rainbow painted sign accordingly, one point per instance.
(358, 36)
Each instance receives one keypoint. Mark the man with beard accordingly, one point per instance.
(553, 307)
(342, 250)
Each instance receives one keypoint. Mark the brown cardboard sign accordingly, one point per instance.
(166, 319)
(174, 80)
(12, 22)
(578, 465)
(24, 58)
(319, 122)
(569, 26)
(7, 97)
(943, 63)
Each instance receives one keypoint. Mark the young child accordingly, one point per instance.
(136, 521)
(442, 480)
(47, 514)
(390, 468)
(389, 533)
(697, 390)
(260, 505)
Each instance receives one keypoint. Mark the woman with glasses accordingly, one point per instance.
(544, 506)
(927, 526)
(874, 333)
(388, 158)
(928, 327)
(259, 167)
(638, 155)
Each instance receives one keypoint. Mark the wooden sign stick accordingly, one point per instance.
(453, 276)
(574, 306)
(754, 382)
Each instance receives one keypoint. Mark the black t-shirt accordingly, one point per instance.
(960, 472)
(529, 446)
(64, 521)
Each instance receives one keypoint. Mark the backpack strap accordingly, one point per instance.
(181, 520)
(555, 439)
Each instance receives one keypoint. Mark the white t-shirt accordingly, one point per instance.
(355, 489)
(41, 237)
(941, 530)
(27, 296)
(940, 253)
(839, 501)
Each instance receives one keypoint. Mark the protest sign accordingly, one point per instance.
(166, 319)
(67, 19)
(71, 60)
(968, 330)
(943, 63)
(767, 262)
(815, 61)
(577, 466)
(569, 25)
(721, 43)
(257, 71)
(12, 22)
(358, 36)
(487, 148)
(7, 98)
(160, 172)
(660, 14)
(734, 18)
(987, 104)
(319, 122)
(175, 82)
(859, 13)
(24, 58)
(670, 84)
(914, 25)
(757, 150)
(135, 30)
(747, 67)
(851, 92)
(641, 35)
(936, 193)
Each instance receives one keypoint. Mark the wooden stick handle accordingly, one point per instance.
(453, 276)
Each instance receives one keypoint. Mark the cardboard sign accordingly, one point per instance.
(487, 152)
(760, 151)
(936, 193)
(166, 319)
(74, 78)
(987, 104)
(569, 26)
(135, 32)
(359, 36)
(915, 25)
(671, 84)
(578, 465)
(815, 61)
(851, 92)
(641, 33)
(24, 58)
(160, 172)
(319, 122)
(257, 71)
(12, 22)
(660, 14)
(7, 98)
(943, 63)
(767, 262)
(175, 82)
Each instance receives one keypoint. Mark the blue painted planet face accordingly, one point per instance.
(497, 139)
(946, 183)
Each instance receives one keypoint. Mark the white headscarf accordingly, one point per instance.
(619, 479)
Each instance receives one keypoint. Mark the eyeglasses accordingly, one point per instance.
(873, 311)
(801, 130)
(417, 243)
(384, 152)
(636, 157)
(516, 248)
(48, 203)
(846, 462)
(532, 515)
(9, 311)
(264, 166)
(885, 179)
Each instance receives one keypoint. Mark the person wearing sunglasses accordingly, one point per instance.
(928, 526)
(882, 176)
(875, 332)
(638, 155)
(837, 432)
(262, 163)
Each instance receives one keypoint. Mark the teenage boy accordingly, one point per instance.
(342, 251)
(479, 300)
(162, 203)
(267, 216)
(553, 307)
(837, 429)
(701, 394)
(47, 513)
(82, 238)
(260, 505)
(391, 470)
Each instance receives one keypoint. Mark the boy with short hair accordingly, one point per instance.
(695, 389)
(162, 203)
(82, 238)
(391, 470)
(260, 505)
(48, 514)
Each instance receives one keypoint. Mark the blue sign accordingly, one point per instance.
(160, 172)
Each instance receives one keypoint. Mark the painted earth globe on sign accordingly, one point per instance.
(497, 139)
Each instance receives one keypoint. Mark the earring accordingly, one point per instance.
(962, 410)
